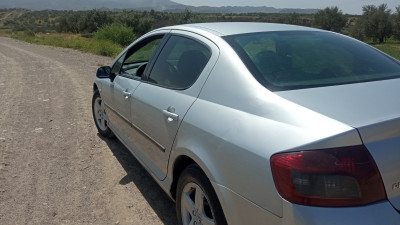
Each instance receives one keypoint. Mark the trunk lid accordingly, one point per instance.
(374, 109)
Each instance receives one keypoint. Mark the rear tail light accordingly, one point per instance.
(346, 176)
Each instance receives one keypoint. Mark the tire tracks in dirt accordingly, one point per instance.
(54, 169)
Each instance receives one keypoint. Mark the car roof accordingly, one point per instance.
(232, 28)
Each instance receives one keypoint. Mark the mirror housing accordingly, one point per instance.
(105, 72)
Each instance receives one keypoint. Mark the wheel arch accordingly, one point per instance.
(95, 88)
(181, 157)
(180, 164)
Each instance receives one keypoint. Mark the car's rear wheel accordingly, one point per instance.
(196, 201)
(100, 115)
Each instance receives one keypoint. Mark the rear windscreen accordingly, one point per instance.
(289, 60)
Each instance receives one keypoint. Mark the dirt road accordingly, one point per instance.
(54, 168)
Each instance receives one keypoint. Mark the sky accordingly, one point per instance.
(347, 6)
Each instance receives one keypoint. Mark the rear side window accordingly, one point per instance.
(303, 59)
(180, 63)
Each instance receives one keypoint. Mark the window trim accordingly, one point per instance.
(146, 76)
(136, 46)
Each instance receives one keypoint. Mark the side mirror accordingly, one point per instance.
(105, 72)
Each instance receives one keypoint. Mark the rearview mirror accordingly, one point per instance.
(105, 72)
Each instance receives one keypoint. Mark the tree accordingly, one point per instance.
(95, 19)
(396, 23)
(292, 18)
(330, 18)
(376, 22)
(82, 21)
(186, 16)
(356, 29)
(141, 22)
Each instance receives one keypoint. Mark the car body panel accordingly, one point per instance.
(142, 126)
(241, 211)
(147, 115)
(148, 104)
(122, 89)
(378, 213)
(376, 114)
(221, 29)
(226, 160)
(386, 153)
(357, 105)
(230, 125)
(118, 97)
(242, 113)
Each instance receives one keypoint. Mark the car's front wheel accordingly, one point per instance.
(196, 201)
(100, 115)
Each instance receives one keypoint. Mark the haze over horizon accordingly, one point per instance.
(347, 6)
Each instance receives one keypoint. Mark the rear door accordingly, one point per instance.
(169, 89)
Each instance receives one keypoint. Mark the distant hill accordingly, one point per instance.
(239, 9)
(139, 5)
(158, 5)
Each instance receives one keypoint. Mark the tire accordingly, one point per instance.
(100, 115)
(196, 200)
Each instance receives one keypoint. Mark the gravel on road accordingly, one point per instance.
(54, 167)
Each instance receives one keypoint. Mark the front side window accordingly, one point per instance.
(303, 59)
(180, 63)
(135, 60)
(116, 68)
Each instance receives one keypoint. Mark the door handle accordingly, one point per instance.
(127, 94)
(170, 113)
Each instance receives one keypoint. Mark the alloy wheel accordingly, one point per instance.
(195, 207)
(100, 114)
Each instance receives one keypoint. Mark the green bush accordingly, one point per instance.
(100, 47)
(106, 48)
(116, 33)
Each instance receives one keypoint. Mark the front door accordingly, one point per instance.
(129, 69)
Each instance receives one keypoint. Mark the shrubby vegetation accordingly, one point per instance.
(116, 33)
(34, 21)
(82, 21)
(331, 18)
(377, 24)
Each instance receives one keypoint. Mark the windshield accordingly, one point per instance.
(289, 60)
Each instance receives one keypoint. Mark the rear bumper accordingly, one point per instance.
(379, 213)
(239, 210)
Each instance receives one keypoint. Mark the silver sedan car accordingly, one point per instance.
(255, 123)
